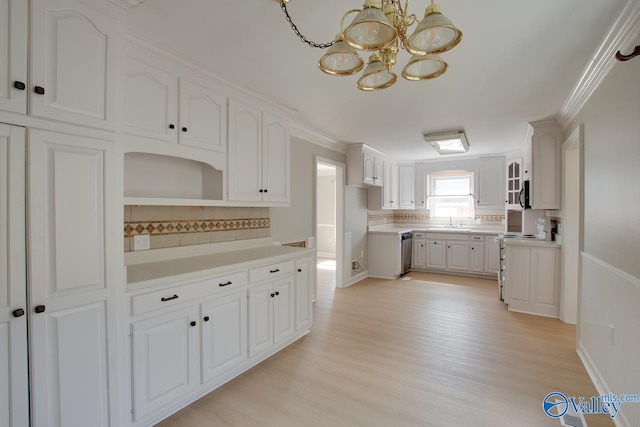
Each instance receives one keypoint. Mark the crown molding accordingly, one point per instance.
(315, 137)
(620, 36)
(127, 4)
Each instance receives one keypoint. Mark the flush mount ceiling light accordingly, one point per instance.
(448, 143)
(382, 26)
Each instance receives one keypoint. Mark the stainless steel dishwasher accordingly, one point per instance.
(405, 255)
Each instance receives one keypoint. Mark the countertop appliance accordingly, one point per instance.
(405, 256)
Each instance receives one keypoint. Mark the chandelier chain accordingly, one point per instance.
(283, 6)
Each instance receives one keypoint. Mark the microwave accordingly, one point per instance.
(525, 195)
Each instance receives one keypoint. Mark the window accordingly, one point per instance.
(450, 194)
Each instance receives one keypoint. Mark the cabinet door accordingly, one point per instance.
(378, 171)
(368, 168)
(517, 275)
(71, 193)
(260, 318)
(407, 188)
(224, 334)
(203, 117)
(490, 182)
(73, 58)
(275, 159)
(419, 255)
(283, 309)
(491, 255)
(546, 162)
(13, 55)
(514, 183)
(436, 254)
(458, 256)
(164, 359)
(304, 293)
(476, 257)
(388, 185)
(545, 273)
(151, 106)
(14, 393)
(245, 159)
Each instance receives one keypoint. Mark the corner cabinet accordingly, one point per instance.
(258, 156)
(72, 62)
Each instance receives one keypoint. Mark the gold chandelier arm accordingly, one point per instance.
(345, 15)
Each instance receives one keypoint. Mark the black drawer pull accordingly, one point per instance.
(39, 90)
(165, 299)
(226, 284)
(18, 313)
(274, 271)
(193, 323)
(40, 309)
(19, 85)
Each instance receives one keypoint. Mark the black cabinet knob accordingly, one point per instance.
(299, 270)
(40, 309)
(19, 85)
(261, 190)
(277, 293)
(18, 313)
(172, 126)
(273, 295)
(206, 318)
(184, 129)
(193, 323)
(266, 191)
(478, 202)
(39, 90)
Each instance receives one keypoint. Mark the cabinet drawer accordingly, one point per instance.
(271, 270)
(173, 296)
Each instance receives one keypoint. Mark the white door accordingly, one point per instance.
(70, 229)
(260, 318)
(436, 254)
(244, 156)
(203, 117)
(151, 103)
(458, 256)
(368, 168)
(419, 255)
(407, 183)
(275, 159)
(491, 255)
(224, 334)
(303, 281)
(73, 63)
(164, 359)
(14, 393)
(13, 55)
(476, 257)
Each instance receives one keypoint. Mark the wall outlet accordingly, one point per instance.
(503, 222)
(612, 334)
(361, 254)
(478, 221)
(141, 242)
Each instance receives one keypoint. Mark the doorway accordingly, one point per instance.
(572, 219)
(329, 224)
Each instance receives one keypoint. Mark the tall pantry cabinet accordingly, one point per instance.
(58, 221)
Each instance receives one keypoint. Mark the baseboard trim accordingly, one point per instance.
(598, 381)
(355, 279)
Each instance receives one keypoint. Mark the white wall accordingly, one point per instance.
(610, 283)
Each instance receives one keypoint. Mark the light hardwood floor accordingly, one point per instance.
(433, 351)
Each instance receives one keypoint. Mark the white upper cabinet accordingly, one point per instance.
(546, 163)
(407, 185)
(203, 117)
(13, 55)
(368, 168)
(390, 185)
(72, 63)
(514, 175)
(365, 166)
(490, 182)
(151, 105)
(258, 155)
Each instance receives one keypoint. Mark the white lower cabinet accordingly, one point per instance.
(224, 334)
(532, 277)
(304, 292)
(436, 254)
(476, 257)
(165, 359)
(419, 251)
(270, 314)
(458, 256)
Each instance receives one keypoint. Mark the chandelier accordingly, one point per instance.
(381, 27)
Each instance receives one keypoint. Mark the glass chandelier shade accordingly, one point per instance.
(434, 34)
(424, 67)
(341, 59)
(370, 30)
(376, 76)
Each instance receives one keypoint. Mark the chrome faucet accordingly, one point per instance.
(450, 223)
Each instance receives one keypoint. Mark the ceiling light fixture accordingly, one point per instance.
(448, 142)
(381, 26)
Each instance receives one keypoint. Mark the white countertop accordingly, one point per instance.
(403, 228)
(531, 242)
(197, 266)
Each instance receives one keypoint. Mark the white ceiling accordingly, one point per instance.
(517, 62)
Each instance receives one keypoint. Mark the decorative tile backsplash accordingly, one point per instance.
(171, 226)
(421, 216)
